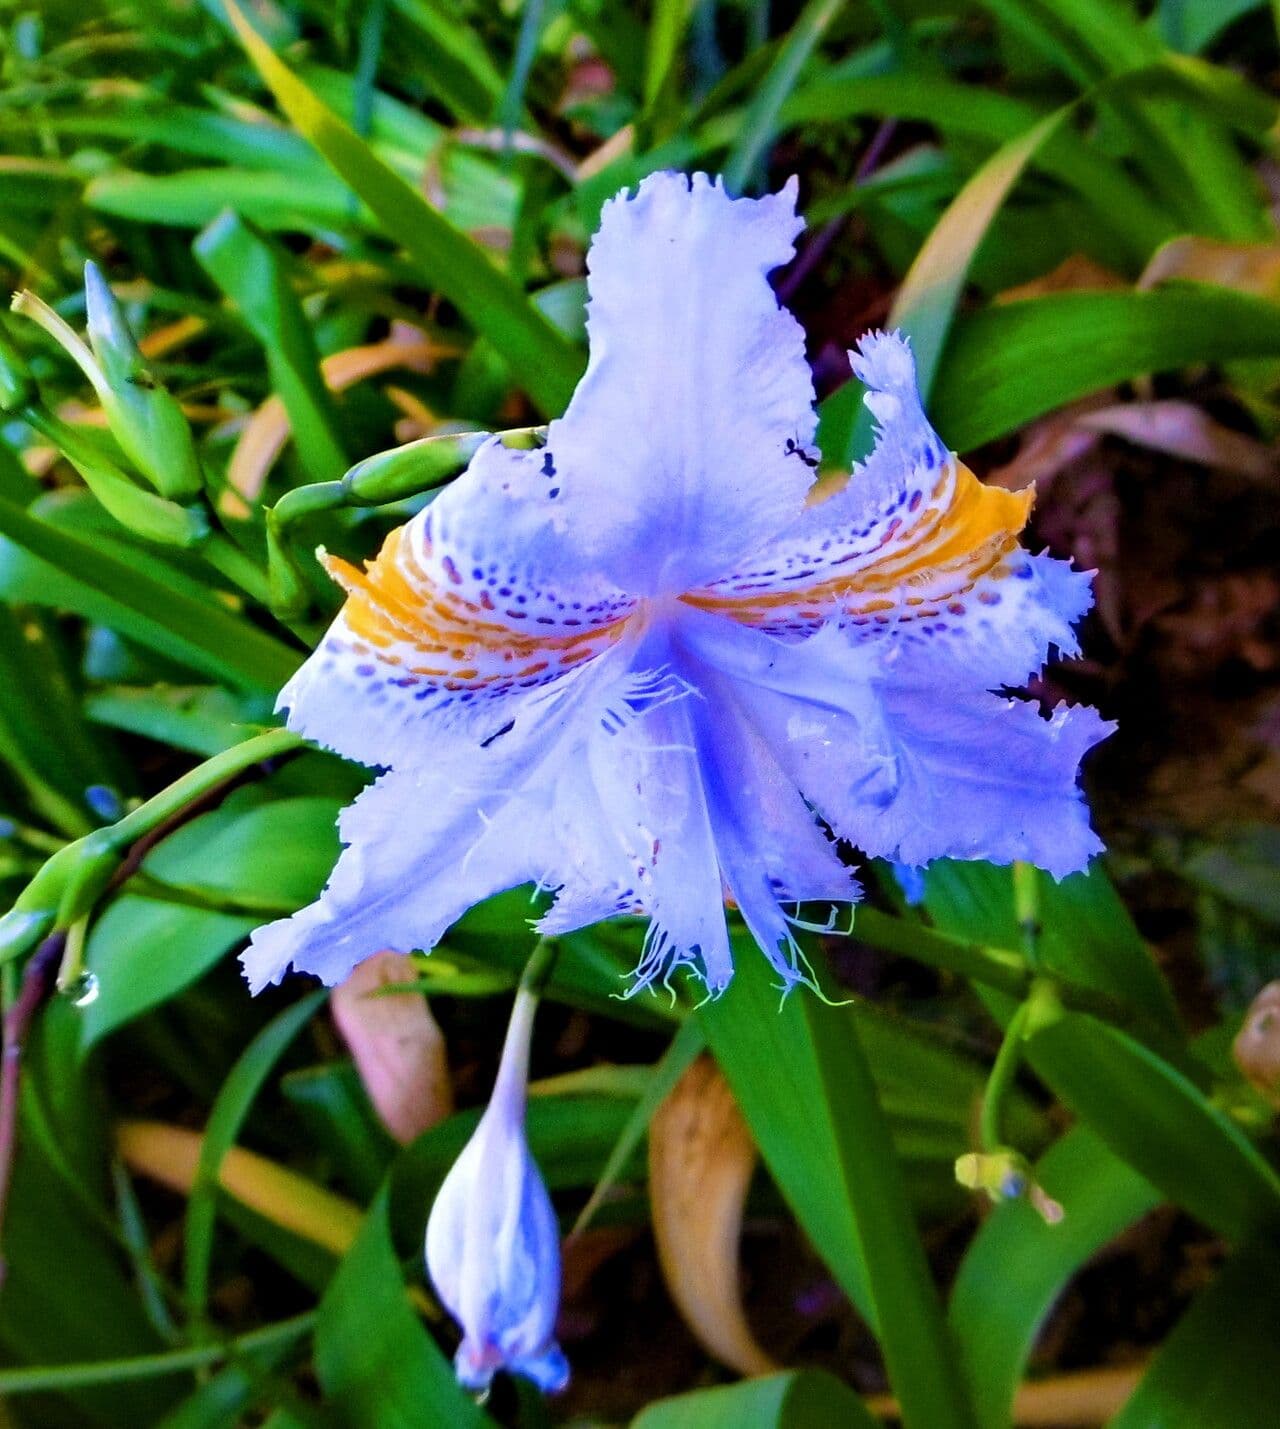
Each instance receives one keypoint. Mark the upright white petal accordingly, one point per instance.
(683, 447)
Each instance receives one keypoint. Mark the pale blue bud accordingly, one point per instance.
(493, 1244)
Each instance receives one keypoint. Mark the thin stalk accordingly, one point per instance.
(1000, 1082)
(61, 1378)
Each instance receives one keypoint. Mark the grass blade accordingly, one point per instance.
(545, 363)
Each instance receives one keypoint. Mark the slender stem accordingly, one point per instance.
(1000, 968)
(1026, 908)
(37, 982)
(73, 878)
(76, 1376)
(203, 780)
(1000, 1081)
(72, 965)
(228, 559)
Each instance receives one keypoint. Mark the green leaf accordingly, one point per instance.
(1086, 933)
(202, 719)
(43, 1324)
(1017, 1265)
(75, 574)
(666, 29)
(253, 273)
(968, 112)
(1006, 365)
(1219, 1365)
(802, 1399)
(1192, 25)
(333, 1105)
(144, 952)
(926, 301)
(1158, 1121)
(374, 1360)
(760, 120)
(681, 1053)
(540, 358)
(44, 741)
(227, 1115)
(801, 1078)
(274, 855)
(456, 65)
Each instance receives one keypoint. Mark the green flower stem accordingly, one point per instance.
(379, 480)
(70, 883)
(1000, 968)
(65, 1377)
(541, 964)
(1026, 908)
(1001, 1080)
(222, 553)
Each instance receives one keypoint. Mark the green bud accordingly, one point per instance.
(16, 387)
(419, 466)
(288, 592)
(143, 512)
(145, 418)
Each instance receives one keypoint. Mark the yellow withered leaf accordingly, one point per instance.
(701, 1159)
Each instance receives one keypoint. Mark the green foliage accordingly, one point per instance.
(326, 224)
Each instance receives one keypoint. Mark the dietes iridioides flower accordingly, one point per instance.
(493, 1244)
(636, 666)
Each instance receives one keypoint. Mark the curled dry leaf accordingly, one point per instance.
(1183, 430)
(1257, 1046)
(267, 430)
(1247, 267)
(701, 1159)
(1077, 273)
(398, 1049)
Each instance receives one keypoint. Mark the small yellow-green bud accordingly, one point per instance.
(145, 418)
(1005, 1175)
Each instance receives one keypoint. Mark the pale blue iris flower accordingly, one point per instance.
(645, 670)
(493, 1244)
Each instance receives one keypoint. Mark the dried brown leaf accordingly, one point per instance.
(701, 1159)
(398, 1049)
(1183, 430)
(1248, 267)
(1257, 1046)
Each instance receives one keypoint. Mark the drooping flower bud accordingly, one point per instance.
(493, 1244)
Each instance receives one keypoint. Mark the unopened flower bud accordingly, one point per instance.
(493, 1244)
(140, 510)
(145, 418)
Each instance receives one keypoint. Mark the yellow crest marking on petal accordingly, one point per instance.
(396, 608)
(961, 536)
